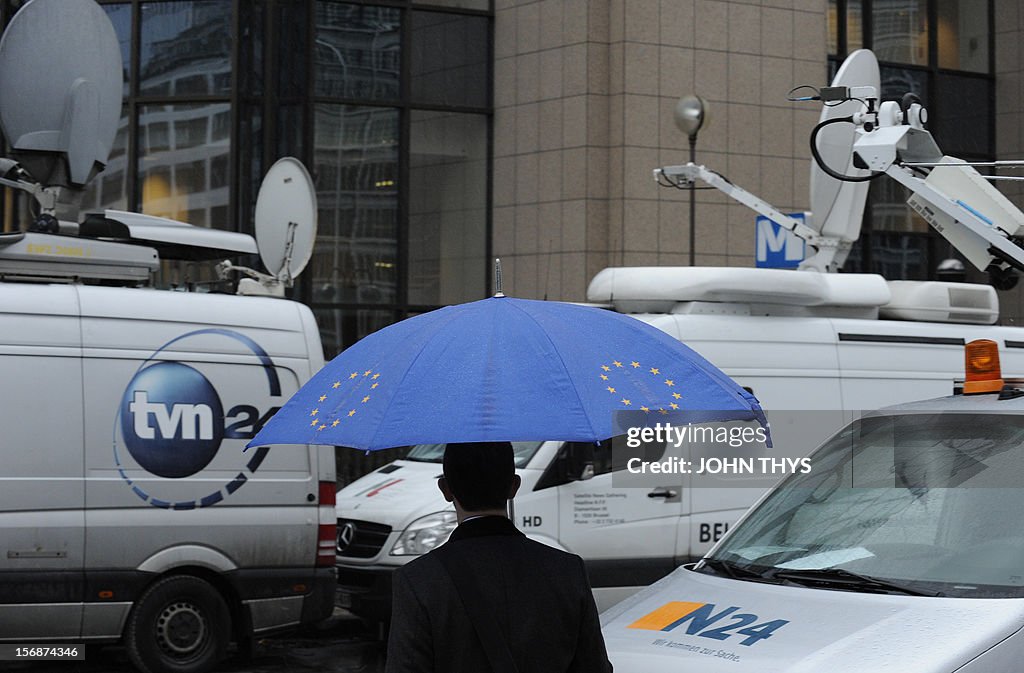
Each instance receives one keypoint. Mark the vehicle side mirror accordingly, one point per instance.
(587, 472)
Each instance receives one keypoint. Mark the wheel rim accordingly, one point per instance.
(181, 629)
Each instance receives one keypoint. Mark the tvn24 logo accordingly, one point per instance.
(707, 621)
(172, 422)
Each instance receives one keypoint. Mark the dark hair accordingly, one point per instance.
(480, 474)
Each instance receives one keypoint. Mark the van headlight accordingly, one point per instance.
(424, 534)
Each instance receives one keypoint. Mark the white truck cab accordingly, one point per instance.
(899, 550)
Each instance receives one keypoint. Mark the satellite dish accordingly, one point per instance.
(285, 229)
(838, 207)
(60, 89)
(286, 219)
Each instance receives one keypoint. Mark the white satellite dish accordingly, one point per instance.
(286, 219)
(838, 207)
(285, 222)
(60, 89)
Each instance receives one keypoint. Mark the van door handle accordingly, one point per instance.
(662, 493)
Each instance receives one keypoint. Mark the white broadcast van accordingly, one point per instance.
(801, 340)
(128, 509)
(806, 359)
(898, 551)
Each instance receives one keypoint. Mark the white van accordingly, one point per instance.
(128, 509)
(798, 340)
(899, 551)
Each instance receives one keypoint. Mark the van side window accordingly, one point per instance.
(608, 456)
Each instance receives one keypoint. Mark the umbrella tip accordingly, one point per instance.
(497, 278)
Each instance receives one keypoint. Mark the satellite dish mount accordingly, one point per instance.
(286, 196)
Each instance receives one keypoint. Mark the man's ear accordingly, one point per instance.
(442, 484)
(516, 483)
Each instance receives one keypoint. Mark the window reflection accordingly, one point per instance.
(901, 31)
(898, 81)
(447, 208)
(962, 35)
(462, 4)
(184, 156)
(854, 25)
(449, 59)
(963, 127)
(356, 168)
(357, 52)
(120, 16)
(185, 48)
(340, 328)
(109, 189)
(902, 256)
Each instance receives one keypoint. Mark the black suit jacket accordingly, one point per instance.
(539, 597)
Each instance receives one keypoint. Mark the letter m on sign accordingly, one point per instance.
(778, 248)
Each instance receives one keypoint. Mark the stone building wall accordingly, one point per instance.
(584, 93)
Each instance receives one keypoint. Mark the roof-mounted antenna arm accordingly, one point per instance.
(46, 198)
(954, 198)
(690, 173)
(964, 221)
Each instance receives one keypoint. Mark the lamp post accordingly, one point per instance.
(690, 115)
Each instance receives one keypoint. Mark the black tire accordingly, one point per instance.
(180, 625)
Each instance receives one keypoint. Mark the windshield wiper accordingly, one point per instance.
(839, 578)
(735, 571)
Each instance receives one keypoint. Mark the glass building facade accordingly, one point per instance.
(942, 51)
(387, 104)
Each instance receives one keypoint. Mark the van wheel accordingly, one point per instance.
(180, 625)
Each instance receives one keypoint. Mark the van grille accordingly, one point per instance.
(361, 539)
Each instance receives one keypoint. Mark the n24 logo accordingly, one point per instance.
(707, 621)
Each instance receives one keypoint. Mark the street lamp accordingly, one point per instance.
(690, 115)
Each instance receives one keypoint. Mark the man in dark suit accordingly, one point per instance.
(490, 599)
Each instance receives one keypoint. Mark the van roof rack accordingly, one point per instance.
(705, 289)
(114, 246)
(50, 257)
(171, 238)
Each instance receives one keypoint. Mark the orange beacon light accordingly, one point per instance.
(981, 365)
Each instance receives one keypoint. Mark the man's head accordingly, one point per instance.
(479, 476)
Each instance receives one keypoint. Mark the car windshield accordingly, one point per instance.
(434, 453)
(915, 503)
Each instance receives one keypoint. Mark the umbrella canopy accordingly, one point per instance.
(502, 369)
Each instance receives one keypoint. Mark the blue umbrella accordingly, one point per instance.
(503, 369)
